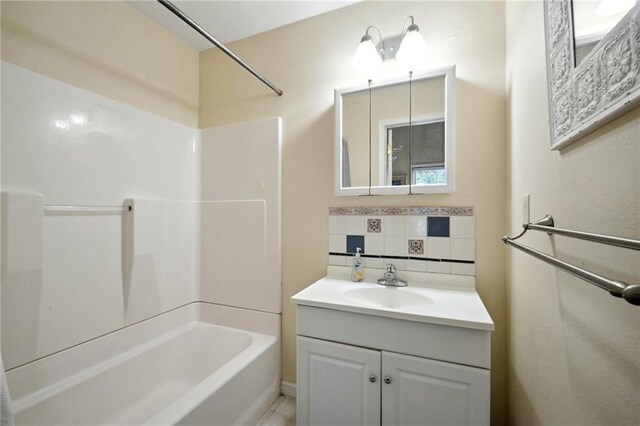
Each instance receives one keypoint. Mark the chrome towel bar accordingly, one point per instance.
(630, 292)
(546, 224)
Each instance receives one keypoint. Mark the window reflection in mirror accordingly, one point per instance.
(428, 153)
(592, 20)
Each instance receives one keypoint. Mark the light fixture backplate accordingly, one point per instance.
(391, 46)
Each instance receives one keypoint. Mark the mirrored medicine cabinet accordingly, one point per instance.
(396, 136)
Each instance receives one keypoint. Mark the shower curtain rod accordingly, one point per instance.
(180, 14)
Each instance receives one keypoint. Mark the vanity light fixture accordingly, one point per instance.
(367, 58)
(411, 55)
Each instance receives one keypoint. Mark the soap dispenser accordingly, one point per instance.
(357, 271)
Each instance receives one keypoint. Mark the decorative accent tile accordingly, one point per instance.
(393, 211)
(354, 241)
(416, 247)
(424, 211)
(366, 211)
(438, 226)
(374, 226)
(456, 211)
(396, 211)
(340, 210)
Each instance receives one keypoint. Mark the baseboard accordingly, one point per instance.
(288, 389)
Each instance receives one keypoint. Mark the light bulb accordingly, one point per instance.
(613, 7)
(412, 54)
(367, 60)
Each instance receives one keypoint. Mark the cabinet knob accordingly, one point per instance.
(372, 379)
(387, 379)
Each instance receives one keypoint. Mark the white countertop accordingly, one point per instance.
(454, 299)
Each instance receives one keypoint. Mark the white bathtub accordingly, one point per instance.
(198, 364)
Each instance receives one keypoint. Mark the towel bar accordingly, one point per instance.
(630, 292)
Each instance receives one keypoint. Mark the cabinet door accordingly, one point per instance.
(335, 384)
(427, 392)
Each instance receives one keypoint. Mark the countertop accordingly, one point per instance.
(454, 300)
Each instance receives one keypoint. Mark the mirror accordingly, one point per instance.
(396, 137)
(592, 20)
(588, 92)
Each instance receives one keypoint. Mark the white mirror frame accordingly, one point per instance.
(449, 73)
(602, 87)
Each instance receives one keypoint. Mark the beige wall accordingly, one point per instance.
(309, 59)
(574, 351)
(109, 48)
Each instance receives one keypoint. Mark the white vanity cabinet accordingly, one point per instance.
(348, 385)
(360, 364)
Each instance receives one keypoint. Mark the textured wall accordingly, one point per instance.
(574, 351)
(309, 59)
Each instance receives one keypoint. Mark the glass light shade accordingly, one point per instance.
(367, 60)
(412, 54)
(613, 7)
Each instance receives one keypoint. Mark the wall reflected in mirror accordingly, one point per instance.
(396, 137)
(592, 21)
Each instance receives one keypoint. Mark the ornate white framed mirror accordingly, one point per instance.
(396, 136)
(593, 64)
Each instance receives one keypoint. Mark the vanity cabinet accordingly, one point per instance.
(337, 384)
(342, 384)
(438, 374)
(416, 355)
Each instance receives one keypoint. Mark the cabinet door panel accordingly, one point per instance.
(334, 386)
(427, 392)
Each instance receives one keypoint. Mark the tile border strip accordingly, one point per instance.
(402, 211)
(424, 259)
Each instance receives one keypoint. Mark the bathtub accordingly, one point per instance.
(200, 364)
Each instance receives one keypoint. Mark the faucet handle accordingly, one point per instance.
(391, 269)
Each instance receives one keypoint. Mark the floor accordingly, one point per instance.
(281, 413)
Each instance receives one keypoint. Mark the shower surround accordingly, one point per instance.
(74, 280)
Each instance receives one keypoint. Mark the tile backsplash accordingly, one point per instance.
(421, 239)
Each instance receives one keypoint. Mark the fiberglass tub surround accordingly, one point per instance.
(204, 352)
(115, 217)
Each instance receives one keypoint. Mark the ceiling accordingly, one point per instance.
(229, 21)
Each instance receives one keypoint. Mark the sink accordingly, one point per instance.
(391, 298)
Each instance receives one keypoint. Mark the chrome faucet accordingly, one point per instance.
(390, 279)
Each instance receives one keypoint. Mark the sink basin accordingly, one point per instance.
(391, 298)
